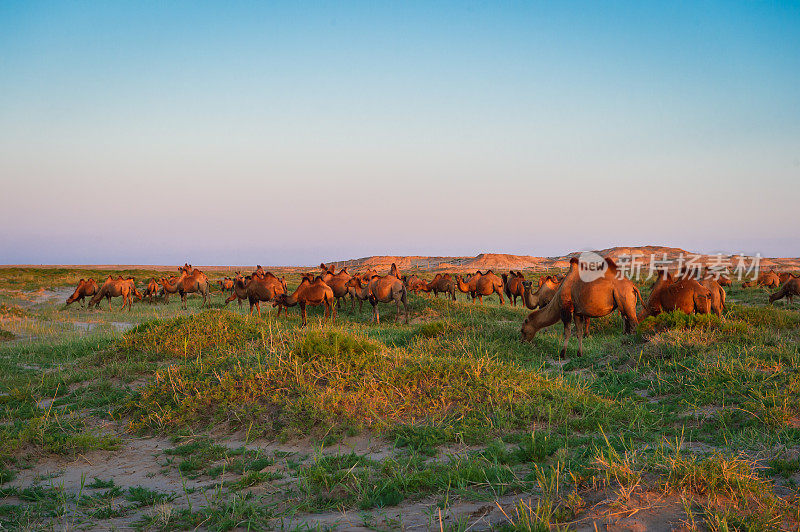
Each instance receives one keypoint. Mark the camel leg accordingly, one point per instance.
(500, 295)
(579, 331)
(375, 315)
(303, 313)
(397, 316)
(586, 331)
(566, 336)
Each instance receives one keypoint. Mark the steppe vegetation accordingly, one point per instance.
(164, 419)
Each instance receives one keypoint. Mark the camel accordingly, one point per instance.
(385, 290)
(683, 293)
(168, 286)
(309, 293)
(264, 287)
(718, 294)
(416, 284)
(708, 281)
(226, 284)
(85, 288)
(789, 290)
(548, 284)
(188, 283)
(152, 290)
(358, 290)
(512, 283)
(239, 291)
(443, 283)
(481, 284)
(367, 275)
(723, 280)
(783, 277)
(115, 288)
(578, 300)
(769, 279)
(338, 283)
(394, 270)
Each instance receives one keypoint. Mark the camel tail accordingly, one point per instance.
(639, 296)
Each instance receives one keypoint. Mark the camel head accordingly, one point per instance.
(530, 327)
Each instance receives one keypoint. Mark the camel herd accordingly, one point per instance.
(568, 298)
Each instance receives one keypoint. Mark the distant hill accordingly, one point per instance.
(505, 261)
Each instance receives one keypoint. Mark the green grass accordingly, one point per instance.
(459, 409)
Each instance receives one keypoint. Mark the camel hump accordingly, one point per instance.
(612, 266)
(573, 260)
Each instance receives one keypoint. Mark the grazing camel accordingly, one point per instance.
(188, 282)
(152, 290)
(513, 285)
(769, 279)
(683, 293)
(85, 288)
(264, 287)
(116, 288)
(443, 283)
(415, 284)
(580, 300)
(718, 294)
(309, 293)
(385, 290)
(789, 290)
(481, 284)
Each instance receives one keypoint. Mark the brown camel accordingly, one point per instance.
(116, 288)
(580, 300)
(443, 283)
(338, 283)
(789, 290)
(385, 290)
(783, 277)
(394, 270)
(683, 293)
(548, 284)
(85, 288)
(481, 284)
(264, 287)
(226, 285)
(367, 275)
(415, 284)
(512, 283)
(239, 292)
(168, 286)
(769, 279)
(358, 290)
(718, 294)
(309, 293)
(188, 283)
(152, 290)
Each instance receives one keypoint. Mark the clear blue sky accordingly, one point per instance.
(286, 133)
